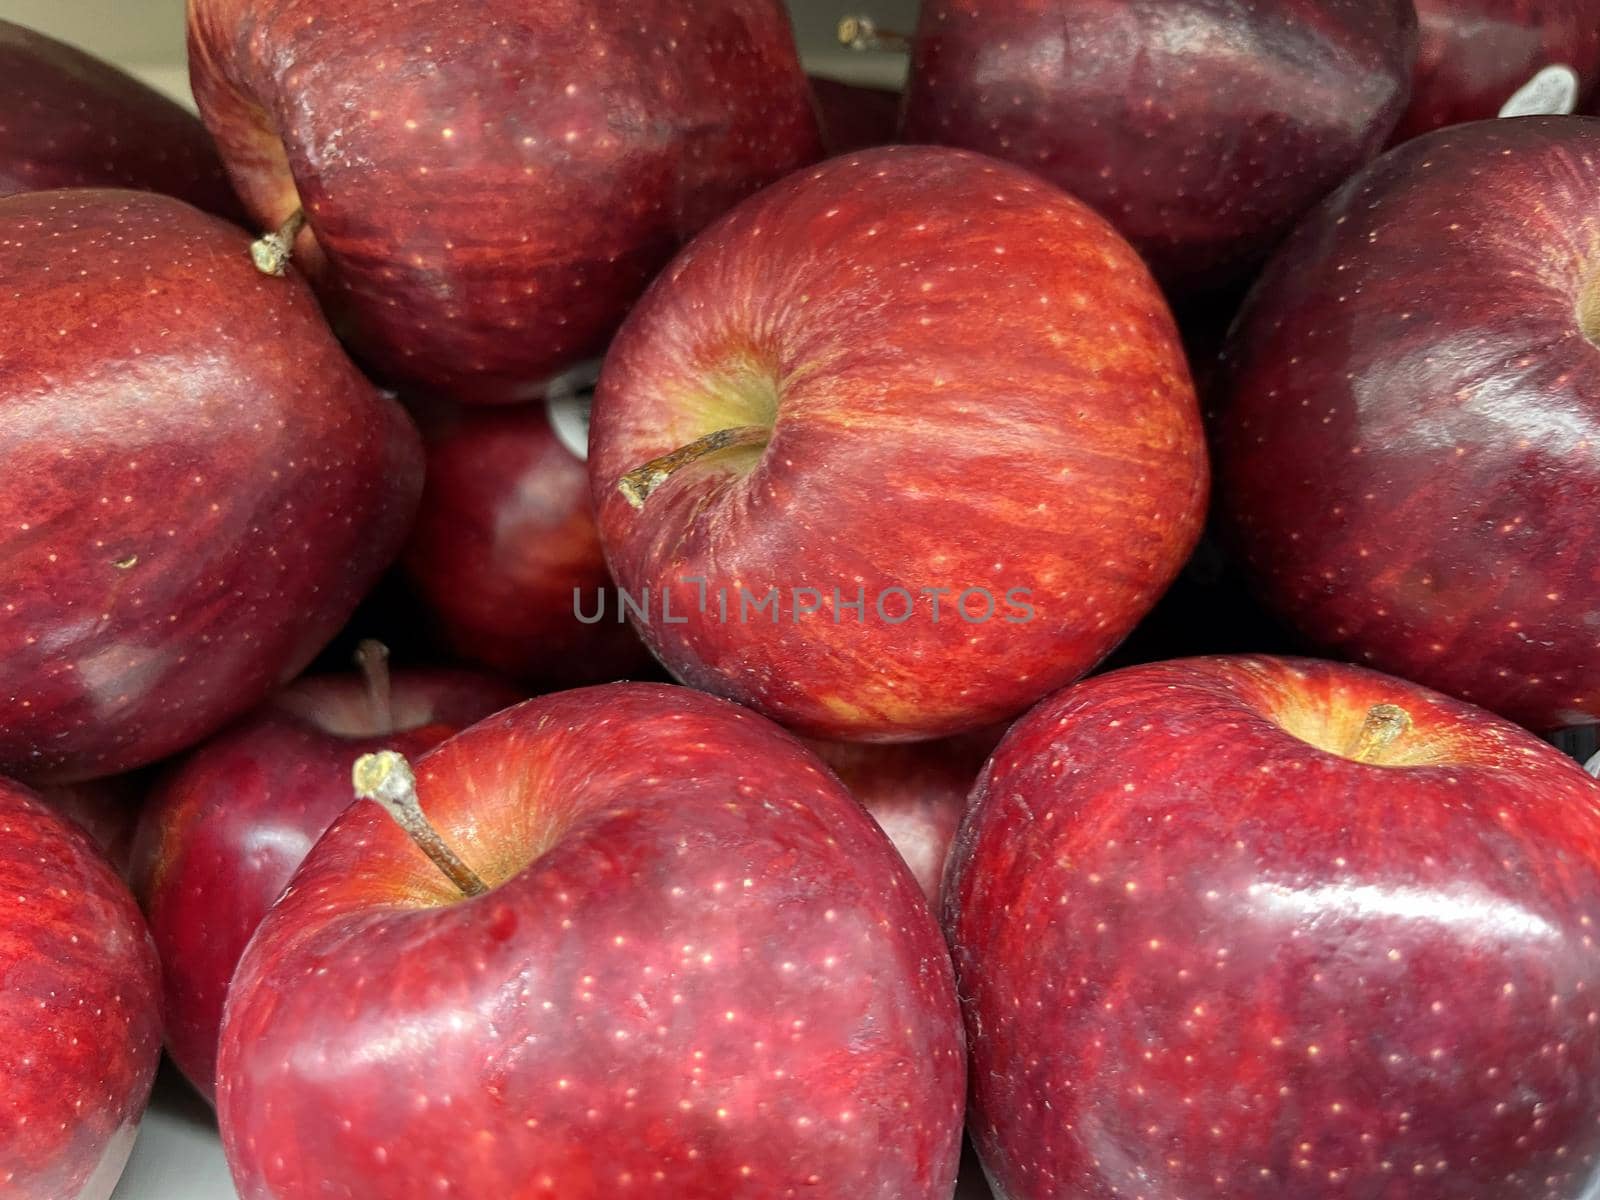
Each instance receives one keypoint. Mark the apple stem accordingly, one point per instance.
(372, 657)
(1384, 724)
(272, 253)
(862, 33)
(637, 484)
(386, 779)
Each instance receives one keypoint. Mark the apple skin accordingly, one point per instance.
(72, 120)
(1201, 957)
(702, 969)
(80, 1012)
(1475, 54)
(106, 809)
(226, 828)
(199, 486)
(490, 186)
(503, 540)
(917, 792)
(856, 306)
(856, 116)
(1409, 409)
(1202, 129)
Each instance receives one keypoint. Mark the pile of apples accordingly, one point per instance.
(1249, 349)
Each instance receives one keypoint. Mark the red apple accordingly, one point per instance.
(699, 971)
(1202, 129)
(198, 485)
(488, 187)
(1479, 56)
(917, 793)
(816, 406)
(856, 116)
(106, 809)
(80, 1013)
(504, 555)
(69, 120)
(227, 827)
(1411, 406)
(1277, 929)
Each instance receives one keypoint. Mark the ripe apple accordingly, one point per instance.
(106, 809)
(69, 120)
(504, 552)
(856, 116)
(1202, 129)
(916, 792)
(1279, 929)
(198, 485)
(662, 949)
(1478, 56)
(80, 1014)
(227, 826)
(813, 407)
(1411, 402)
(486, 188)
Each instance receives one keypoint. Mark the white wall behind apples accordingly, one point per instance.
(146, 36)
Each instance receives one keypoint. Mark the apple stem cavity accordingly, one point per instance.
(272, 253)
(386, 779)
(1384, 725)
(637, 484)
(372, 658)
(861, 33)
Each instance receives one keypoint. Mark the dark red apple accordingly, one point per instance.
(1202, 129)
(917, 793)
(69, 120)
(504, 555)
(106, 809)
(1278, 929)
(1479, 57)
(488, 187)
(1411, 410)
(699, 971)
(198, 486)
(856, 116)
(227, 827)
(80, 1014)
(915, 380)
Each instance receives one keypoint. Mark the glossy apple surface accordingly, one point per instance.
(504, 547)
(1217, 938)
(855, 116)
(701, 971)
(69, 120)
(80, 1013)
(198, 485)
(226, 828)
(1410, 410)
(845, 322)
(916, 792)
(1202, 129)
(490, 186)
(1476, 55)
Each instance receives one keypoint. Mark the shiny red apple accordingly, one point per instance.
(198, 486)
(856, 116)
(227, 827)
(917, 793)
(504, 556)
(699, 970)
(1202, 129)
(903, 444)
(1278, 929)
(80, 1015)
(488, 187)
(1480, 57)
(1411, 407)
(69, 120)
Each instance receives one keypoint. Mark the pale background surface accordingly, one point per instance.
(178, 1156)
